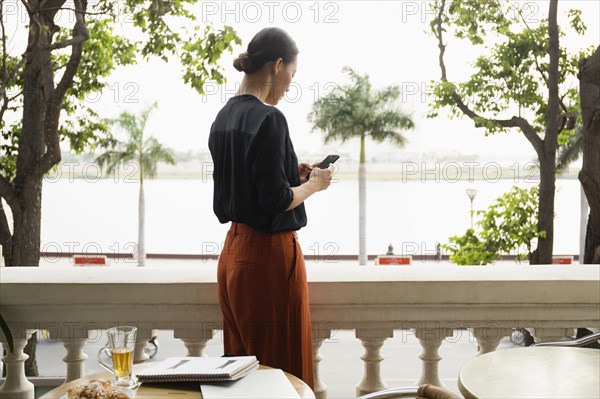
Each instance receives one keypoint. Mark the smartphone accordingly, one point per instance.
(329, 159)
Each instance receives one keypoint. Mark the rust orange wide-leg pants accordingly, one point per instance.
(264, 299)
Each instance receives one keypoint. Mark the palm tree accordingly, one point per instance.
(571, 151)
(356, 110)
(145, 153)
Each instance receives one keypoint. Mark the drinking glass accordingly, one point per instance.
(121, 343)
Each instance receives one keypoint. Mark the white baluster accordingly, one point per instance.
(195, 347)
(75, 357)
(488, 338)
(372, 340)
(16, 385)
(431, 339)
(195, 341)
(320, 335)
(142, 337)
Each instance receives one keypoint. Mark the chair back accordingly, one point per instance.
(425, 391)
(432, 392)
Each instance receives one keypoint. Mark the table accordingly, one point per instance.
(532, 372)
(182, 390)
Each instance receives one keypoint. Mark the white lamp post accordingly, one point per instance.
(471, 193)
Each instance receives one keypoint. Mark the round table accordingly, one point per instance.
(183, 390)
(532, 372)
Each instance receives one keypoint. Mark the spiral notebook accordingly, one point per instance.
(181, 369)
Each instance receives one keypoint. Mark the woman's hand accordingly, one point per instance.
(321, 178)
(304, 170)
(318, 180)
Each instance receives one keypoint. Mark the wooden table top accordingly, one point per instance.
(532, 372)
(153, 391)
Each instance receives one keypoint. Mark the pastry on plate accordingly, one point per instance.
(96, 389)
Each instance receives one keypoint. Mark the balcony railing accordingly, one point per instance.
(430, 299)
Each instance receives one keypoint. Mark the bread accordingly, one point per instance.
(96, 389)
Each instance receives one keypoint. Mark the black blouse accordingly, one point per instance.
(254, 167)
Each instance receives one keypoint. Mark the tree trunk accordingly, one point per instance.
(589, 176)
(38, 86)
(543, 254)
(39, 141)
(141, 226)
(362, 204)
(25, 249)
(547, 154)
(31, 368)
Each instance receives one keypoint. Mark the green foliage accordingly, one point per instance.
(576, 22)
(103, 52)
(207, 47)
(9, 149)
(147, 153)
(510, 78)
(470, 250)
(511, 222)
(509, 225)
(356, 110)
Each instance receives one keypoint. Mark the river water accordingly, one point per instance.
(101, 215)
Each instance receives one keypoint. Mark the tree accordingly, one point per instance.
(589, 176)
(511, 222)
(508, 225)
(355, 110)
(62, 65)
(146, 154)
(469, 249)
(525, 73)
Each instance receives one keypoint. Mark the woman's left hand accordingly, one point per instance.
(304, 170)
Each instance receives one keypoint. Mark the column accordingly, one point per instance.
(488, 338)
(195, 347)
(142, 337)
(431, 339)
(372, 340)
(75, 357)
(319, 335)
(16, 385)
(195, 340)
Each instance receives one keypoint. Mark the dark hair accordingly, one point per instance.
(267, 45)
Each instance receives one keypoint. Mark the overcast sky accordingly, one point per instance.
(385, 39)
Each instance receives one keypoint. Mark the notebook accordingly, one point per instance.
(260, 384)
(182, 369)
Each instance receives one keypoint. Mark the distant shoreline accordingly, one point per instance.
(408, 171)
(325, 259)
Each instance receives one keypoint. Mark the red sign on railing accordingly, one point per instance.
(86, 260)
(562, 260)
(402, 260)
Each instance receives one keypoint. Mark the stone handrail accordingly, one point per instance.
(431, 299)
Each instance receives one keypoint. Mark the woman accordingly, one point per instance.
(260, 188)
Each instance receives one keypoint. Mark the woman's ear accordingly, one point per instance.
(277, 65)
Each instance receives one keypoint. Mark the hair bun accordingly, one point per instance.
(243, 63)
